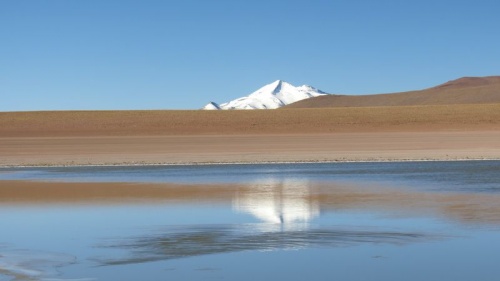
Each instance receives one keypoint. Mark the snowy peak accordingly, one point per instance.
(211, 106)
(275, 87)
(271, 96)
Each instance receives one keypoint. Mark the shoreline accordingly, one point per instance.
(249, 149)
(250, 163)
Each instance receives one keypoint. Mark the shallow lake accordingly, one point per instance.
(322, 221)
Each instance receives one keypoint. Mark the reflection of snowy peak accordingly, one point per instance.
(271, 96)
(278, 202)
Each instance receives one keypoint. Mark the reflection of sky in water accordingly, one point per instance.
(136, 235)
(274, 227)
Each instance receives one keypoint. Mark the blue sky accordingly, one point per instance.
(96, 54)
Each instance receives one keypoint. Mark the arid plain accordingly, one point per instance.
(439, 132)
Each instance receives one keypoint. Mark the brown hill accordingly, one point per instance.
(466, 90)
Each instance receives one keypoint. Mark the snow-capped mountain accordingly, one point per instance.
(271, 96)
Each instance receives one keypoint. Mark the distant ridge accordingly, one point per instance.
(466, 82)
(466, 90)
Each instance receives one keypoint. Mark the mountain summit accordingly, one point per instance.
(271, 96)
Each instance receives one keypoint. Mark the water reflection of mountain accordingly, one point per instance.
(278, 201)
(284, 207)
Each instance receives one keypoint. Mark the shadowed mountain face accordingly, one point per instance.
(466, 90)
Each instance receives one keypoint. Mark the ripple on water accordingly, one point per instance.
(34, 265)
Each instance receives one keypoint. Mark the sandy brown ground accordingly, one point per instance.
(332, 134)
(237, 122)
(463, 207)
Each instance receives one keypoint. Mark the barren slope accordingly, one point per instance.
(467, 90)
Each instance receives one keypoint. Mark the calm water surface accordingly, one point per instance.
(338, 221)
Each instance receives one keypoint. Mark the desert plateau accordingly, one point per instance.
(433, 132)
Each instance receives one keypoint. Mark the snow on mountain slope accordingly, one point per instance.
(271, 96)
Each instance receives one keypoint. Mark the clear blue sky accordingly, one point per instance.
(146, 54)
